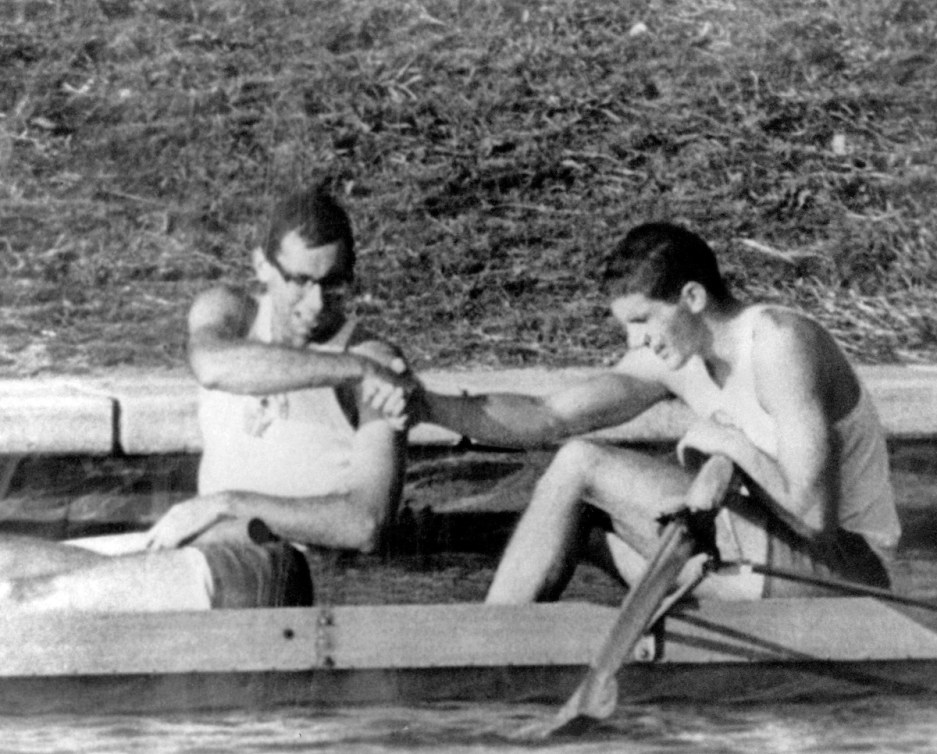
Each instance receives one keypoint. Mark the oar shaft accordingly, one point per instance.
(848, 587)
(676, 548)
(641, 604)
(595, 698)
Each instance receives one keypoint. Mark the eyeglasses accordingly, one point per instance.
(333, 284)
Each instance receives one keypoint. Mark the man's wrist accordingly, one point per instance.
(361, 367)
(227, 504)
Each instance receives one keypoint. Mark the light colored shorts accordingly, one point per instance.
(843, 556)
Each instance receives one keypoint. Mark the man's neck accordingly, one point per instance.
(721, 352)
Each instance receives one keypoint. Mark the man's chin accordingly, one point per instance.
(312, 336)
(673, 361)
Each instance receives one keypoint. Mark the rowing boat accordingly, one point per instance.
(776, 649)
(770, 650)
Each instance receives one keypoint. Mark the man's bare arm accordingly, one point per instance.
(352, 519)
(800, 484)
(221, 356)
(517, 420)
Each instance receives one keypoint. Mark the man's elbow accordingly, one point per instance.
(208, 370)
(815, 513)
(364, 535)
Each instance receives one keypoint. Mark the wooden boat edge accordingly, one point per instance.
(774, 649)
(451, 635)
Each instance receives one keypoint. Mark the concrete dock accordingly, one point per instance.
(154, 412)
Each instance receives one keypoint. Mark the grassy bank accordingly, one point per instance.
(488, 150)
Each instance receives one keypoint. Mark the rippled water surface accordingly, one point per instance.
(889, 724)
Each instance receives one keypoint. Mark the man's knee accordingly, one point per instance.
(566, 478)
(576, 458)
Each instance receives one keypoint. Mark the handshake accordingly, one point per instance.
(389, 389)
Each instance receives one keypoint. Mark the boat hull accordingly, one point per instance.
(774, 650)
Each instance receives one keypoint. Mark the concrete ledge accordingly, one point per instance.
(52, 417)
(156, 412)
(142, 413)
(906, 398)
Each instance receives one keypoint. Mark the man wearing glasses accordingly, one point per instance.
(292, 450)
(286, 437)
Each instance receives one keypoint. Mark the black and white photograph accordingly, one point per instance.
(468, 375)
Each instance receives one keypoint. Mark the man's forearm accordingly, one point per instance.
(325, 521)
(505, 419)
(378, 461)
(800, 511)
(258, 368)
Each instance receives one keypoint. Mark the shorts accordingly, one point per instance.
(845, 556)
(243, 575)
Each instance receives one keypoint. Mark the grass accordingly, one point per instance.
(489, 152)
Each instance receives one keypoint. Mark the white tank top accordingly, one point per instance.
(293, 444)
(867, 503)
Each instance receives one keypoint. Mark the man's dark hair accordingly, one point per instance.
(317, 218)
(659, 259)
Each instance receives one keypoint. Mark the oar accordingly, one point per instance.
(839, 585)
(597, 695)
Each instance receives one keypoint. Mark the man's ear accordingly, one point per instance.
(262, 267)
(694, 296)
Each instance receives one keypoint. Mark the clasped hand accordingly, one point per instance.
(705, 438)
(390, 388)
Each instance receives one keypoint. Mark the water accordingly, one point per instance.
(888, 724)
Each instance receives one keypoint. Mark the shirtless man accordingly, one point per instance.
(287, 440)
(770, 389)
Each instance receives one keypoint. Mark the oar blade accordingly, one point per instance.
(596, 697)
(579, 714)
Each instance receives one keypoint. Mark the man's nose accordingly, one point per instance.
(310, 299)
(638, 337)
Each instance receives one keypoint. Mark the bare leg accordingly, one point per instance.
(144, 582)
(632, 487)
(24, 557)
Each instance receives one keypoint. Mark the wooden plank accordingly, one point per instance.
(802, 629)
(446, 636)
(129, 643)
(298, 639)
(428, 636)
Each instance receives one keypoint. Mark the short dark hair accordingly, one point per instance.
(318, 219)
(659, 259)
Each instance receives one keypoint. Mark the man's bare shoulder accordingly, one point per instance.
(223, 308)
(781, 332)
(793, 353)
